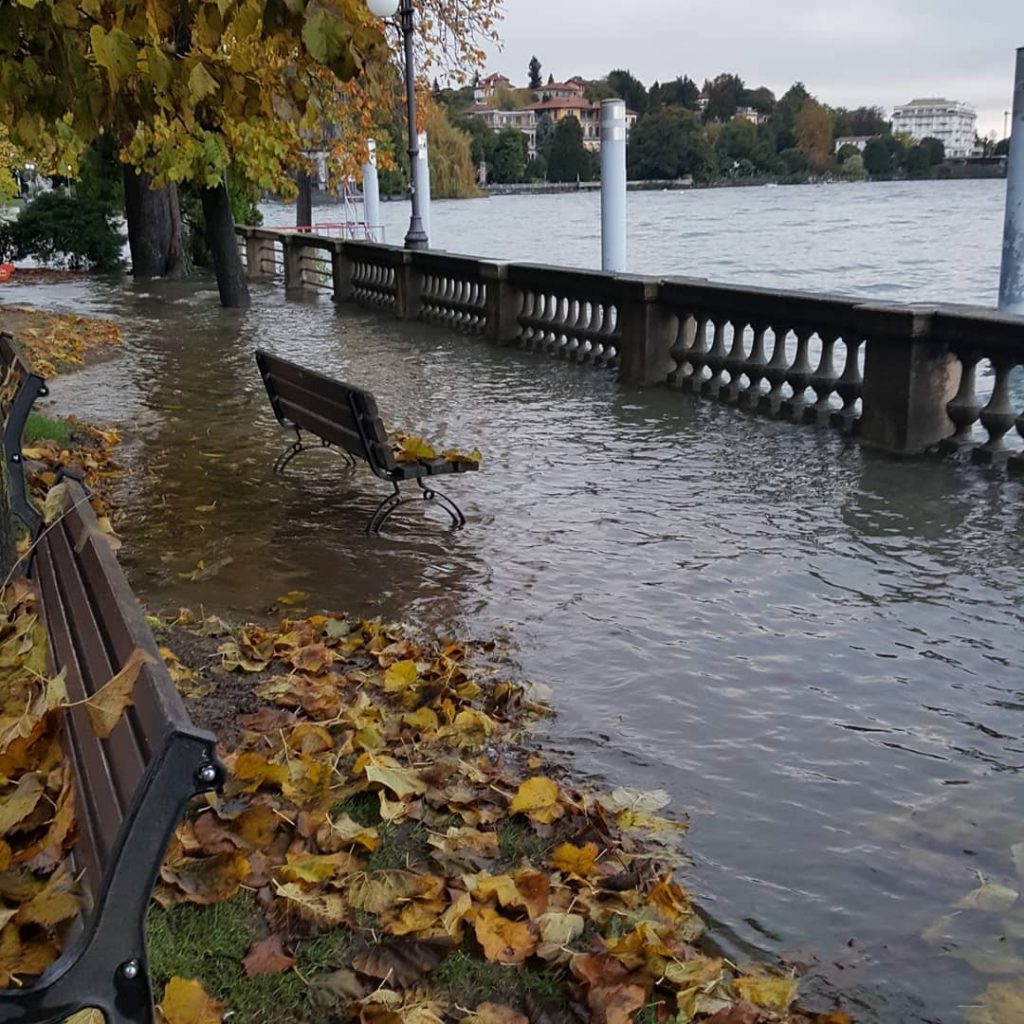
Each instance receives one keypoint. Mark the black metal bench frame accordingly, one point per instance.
(131, 788)
(27, 387)
(345, 419)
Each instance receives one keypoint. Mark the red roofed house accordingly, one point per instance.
(488, 86)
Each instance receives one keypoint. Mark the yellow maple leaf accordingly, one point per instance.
(768, 993)
(108, 703)
(538, 799)
(575, 860)
(400, 676)
(185, 1001)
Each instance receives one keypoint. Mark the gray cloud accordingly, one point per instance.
(847, 53)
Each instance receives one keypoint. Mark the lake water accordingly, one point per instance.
(816, 650)
(908, 241)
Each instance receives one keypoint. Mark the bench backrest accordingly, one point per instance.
(94, 624)
(344, 415)
(19, 388)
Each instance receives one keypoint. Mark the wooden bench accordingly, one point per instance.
(346, 419)
(131, 788)
(19, 388)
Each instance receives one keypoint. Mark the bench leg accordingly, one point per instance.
(121, 992)
(427, 493)
(384, 510)
(299, 445)
(108, 969)
(430, 494)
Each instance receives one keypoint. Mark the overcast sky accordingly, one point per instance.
(847, 53)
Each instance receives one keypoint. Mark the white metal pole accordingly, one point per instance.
(613, 186)
(371, 195)
(1011, 281)
(423, 179)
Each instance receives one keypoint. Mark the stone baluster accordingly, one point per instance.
(715, 360)
(574, 347)
(696, 355)
(776, 372)
(686, 335)
(965, 407)
(799, 376)
(849, 387)
(998, 417)
(824, 379)
(735, 364)
(754, 367)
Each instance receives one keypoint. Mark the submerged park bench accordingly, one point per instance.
(345, 418)
(131, 787)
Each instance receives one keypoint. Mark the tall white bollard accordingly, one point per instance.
(424, 180)
(1011, 281)
(371, 195)
(613, 186)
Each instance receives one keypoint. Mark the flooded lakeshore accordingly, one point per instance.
(816, 651)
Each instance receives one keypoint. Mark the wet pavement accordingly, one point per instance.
(818, 652)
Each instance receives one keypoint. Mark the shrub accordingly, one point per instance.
(60, 230)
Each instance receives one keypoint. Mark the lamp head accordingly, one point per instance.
(383, 8)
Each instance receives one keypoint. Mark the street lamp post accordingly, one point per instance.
(416, 238)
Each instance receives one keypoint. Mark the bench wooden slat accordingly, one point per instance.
(125, 629)
(98, 814)
(120, 751)
(308, 380)
(322, 405)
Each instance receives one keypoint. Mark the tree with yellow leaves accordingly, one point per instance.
(189, 87)
(10, 161)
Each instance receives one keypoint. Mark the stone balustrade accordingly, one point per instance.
(904, 379)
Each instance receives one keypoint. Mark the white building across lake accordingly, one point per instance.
(952, 123)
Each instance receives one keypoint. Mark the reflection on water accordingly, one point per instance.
(817, 651)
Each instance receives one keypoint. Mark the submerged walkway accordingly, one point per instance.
(816, 651)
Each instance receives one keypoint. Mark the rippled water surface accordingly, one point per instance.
(816, 650)
(909, 241)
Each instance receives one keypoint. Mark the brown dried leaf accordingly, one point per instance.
(504, 941)
(402, 964)
(267, 957)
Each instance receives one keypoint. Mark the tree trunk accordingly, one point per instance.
(154, 227)
(220, 237)
(304, 207)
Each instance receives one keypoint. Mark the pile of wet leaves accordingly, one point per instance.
(53, 342)
(380, 789)
(412, 448)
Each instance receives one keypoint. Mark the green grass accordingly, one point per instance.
(363, 808)
(473, 980)
(518, 842)
(208, 943)
(43, 428)
(401, 846)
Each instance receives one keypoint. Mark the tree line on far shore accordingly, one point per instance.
(708, 134)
